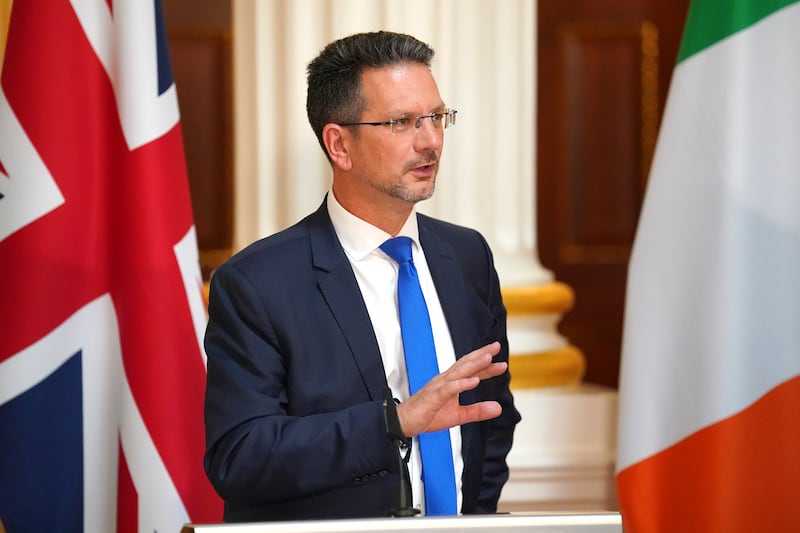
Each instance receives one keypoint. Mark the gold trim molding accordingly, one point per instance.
(557, 368)
(649, 104)
(5, 15)
(211, 258)
(551, 298)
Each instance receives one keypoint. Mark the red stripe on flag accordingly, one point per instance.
(739, 475)
(128, 507)
(58, 261)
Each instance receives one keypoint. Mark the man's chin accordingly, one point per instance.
(422, 195)
(416, 192)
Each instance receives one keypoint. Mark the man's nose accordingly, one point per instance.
(428, 136)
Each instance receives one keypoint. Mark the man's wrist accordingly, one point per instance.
(393, 428)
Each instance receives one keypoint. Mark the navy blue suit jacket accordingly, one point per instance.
(295, 425)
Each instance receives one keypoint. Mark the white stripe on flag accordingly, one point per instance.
(30, 192)
(189, 263)
(126, 46)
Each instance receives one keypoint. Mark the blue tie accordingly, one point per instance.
(420, 353)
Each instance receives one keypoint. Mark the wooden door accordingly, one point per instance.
(603, 74)
(200, 43)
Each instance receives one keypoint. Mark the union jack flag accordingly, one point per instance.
(102, 369)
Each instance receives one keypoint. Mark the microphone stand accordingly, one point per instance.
(396, 437)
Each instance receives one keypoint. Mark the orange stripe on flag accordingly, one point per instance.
(739, 475)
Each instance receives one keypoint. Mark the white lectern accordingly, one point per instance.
(503, 523)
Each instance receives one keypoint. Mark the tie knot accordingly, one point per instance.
(398, 248)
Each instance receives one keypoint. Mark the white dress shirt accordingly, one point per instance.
(376, 274)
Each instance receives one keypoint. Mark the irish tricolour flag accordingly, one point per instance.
(710, 387)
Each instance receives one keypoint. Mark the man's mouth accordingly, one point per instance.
(423, 166)
(425, 170)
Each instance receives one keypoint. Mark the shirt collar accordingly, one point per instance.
(360, 238)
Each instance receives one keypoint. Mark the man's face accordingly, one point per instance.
(402, 165)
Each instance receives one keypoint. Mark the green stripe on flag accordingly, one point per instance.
(709, 21)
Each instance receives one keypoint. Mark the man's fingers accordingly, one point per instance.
(494, 370)
(447, 388)
(478, 412)
(475, 361)
(435, 406)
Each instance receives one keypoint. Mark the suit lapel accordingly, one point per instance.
(339, 287)
(449, 280)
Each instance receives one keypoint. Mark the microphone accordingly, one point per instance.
(396, 437)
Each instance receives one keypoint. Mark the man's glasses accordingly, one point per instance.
(440, 121)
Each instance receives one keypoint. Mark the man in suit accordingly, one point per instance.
(304, 339)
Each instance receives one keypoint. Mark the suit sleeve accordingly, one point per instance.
(498, 445)
(256, 450)
(501, 429)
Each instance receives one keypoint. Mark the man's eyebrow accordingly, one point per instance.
(405, 113)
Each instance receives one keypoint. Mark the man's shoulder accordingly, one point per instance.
(288, 245)
(454, 234)
(277, 244)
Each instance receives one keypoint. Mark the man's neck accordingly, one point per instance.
(388, 214)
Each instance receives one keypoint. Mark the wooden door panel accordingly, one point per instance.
(200, 44)
(603, 74)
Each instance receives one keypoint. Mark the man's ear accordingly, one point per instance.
(336, 140)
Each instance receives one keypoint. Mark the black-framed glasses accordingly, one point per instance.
(440, 120)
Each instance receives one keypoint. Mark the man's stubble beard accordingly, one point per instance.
(400, 190)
